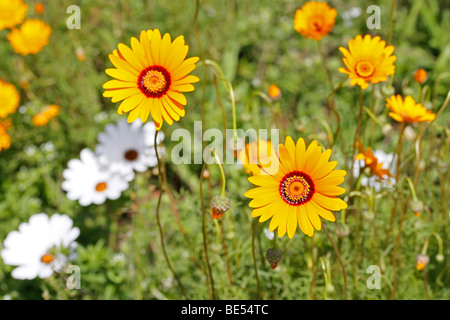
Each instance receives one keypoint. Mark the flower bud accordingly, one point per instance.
(274, 256)
(422, 261)
(420, 76)
(416, 207)
(274, 92)
(219, 205)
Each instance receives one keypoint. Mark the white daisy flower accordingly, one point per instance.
(389, 162)
(87, 181)
(41, 246)
(126, 147)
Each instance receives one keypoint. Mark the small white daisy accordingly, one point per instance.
(87, 181)
(126, 147)
(389, 162)
(41, 246)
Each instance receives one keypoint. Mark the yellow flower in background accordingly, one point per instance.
(274, 92)
(12, 13)
(151, 78)
(259, 152)
(42, 118)
(368, 60)
(31, 37)
(370, 161)
(314, 20)
(408, 110)
(9, 99)
(298, 189)
(5, 139)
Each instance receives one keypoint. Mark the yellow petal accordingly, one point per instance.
(329, 203)
(292, 222)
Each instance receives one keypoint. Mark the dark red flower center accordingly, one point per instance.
(296, 188)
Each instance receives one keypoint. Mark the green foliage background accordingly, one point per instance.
(255, 44)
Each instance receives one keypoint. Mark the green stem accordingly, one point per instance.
(205, 244)
(255, 224)
(391, 22)
(339, 258)
(161, 233)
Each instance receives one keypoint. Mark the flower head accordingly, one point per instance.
(368, 60)
(274, 256)
(12, 13)
(126, 147)
(219, 205)
(314, 20)
(151, 78)
(5, 139)
(88, 182)
(381, 165)
(43, 117)
(257, 152)
(370, 161)
(298, 188)
(31, 37)
(41, 246)
(420, 75)
(39, 7)
(9, 99)
(274, 92)
(421, 261)
(408, 110)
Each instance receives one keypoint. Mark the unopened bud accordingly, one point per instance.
(416, 207)
(439, 257)
(274, 256)
(219, 205)
(420, 76)
(422, 261)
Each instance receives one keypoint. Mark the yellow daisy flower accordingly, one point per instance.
(371, 162)
(9, 99)
(12, 13)
(368, 60)
(32, 36)
(42, 118)
(314, 20)
(298, 189)
(5, 139)
(257, 152)
(151, 76)
(407, 110)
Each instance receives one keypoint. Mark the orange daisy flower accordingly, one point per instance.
(371, 162)
(368, 60)
(407, 110)
(314, 20)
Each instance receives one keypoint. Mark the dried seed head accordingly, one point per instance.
(274, 256)
(219, 205)
(416, 207)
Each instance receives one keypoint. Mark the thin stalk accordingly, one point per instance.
(255, 224)
(161, 233)
(339, 258)
(205, 244)
(391, 22)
